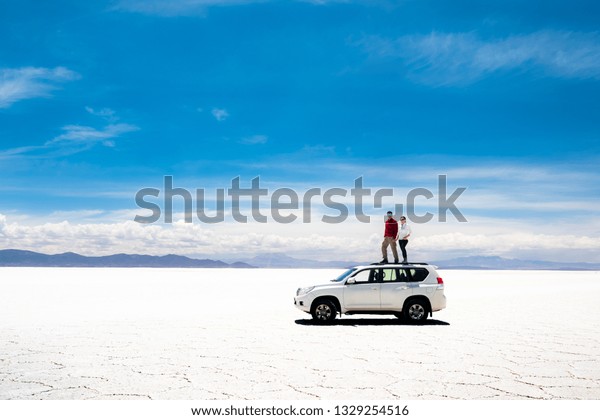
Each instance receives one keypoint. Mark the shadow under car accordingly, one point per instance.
(367, 321)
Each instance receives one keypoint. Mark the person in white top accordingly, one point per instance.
(402, 238)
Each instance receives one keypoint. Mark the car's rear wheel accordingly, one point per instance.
(416, 310)
(324, 311)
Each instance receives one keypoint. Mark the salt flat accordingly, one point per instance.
(76, 333)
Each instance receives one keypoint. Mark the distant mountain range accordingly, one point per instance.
(20, 258)
(499, 263)
(278, 260)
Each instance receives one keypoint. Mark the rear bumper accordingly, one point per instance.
(439, 301)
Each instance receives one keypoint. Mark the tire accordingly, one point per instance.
(416, 310)
(324, 311)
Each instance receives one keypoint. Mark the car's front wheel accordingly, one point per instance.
(324, 311)
(416, 310)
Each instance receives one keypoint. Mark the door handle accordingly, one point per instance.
(373, 288)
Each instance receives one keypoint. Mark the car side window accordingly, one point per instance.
(363, 276)
(389, 274)
(418, 274)
(403, 275)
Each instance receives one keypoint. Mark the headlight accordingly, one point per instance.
(304, 290)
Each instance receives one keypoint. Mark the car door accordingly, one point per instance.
(395, 288)
(363, 293)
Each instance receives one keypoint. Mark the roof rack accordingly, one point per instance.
(400, 263)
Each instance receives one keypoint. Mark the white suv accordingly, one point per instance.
(411, 290)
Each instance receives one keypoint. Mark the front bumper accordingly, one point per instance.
(301, 302)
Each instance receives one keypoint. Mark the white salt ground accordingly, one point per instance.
(75, 333)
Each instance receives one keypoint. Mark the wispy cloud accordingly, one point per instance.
(172, 8)
(462, 58)
(256, 139)
(220, 114)
(106, 113)
(323, 2)
(31, 82)
(74, 139)
(88, 136)
(495, 187)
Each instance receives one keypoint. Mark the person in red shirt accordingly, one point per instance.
(389, 237)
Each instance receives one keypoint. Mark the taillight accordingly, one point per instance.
(440, 280)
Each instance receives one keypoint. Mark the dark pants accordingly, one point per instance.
(403, 243)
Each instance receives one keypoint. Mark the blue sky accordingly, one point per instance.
(99, 99)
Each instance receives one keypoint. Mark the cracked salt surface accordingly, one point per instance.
(71, 333)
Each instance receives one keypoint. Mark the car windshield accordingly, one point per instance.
(344, 274)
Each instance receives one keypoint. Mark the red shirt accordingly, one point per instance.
(391, 228)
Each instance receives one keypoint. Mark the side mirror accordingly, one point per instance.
(351, 281)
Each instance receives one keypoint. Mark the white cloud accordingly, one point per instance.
(104, 238)
(31, 82)
(348, 241)
(547, 212)
(461, 58)
(256, 139)
(220, 114)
